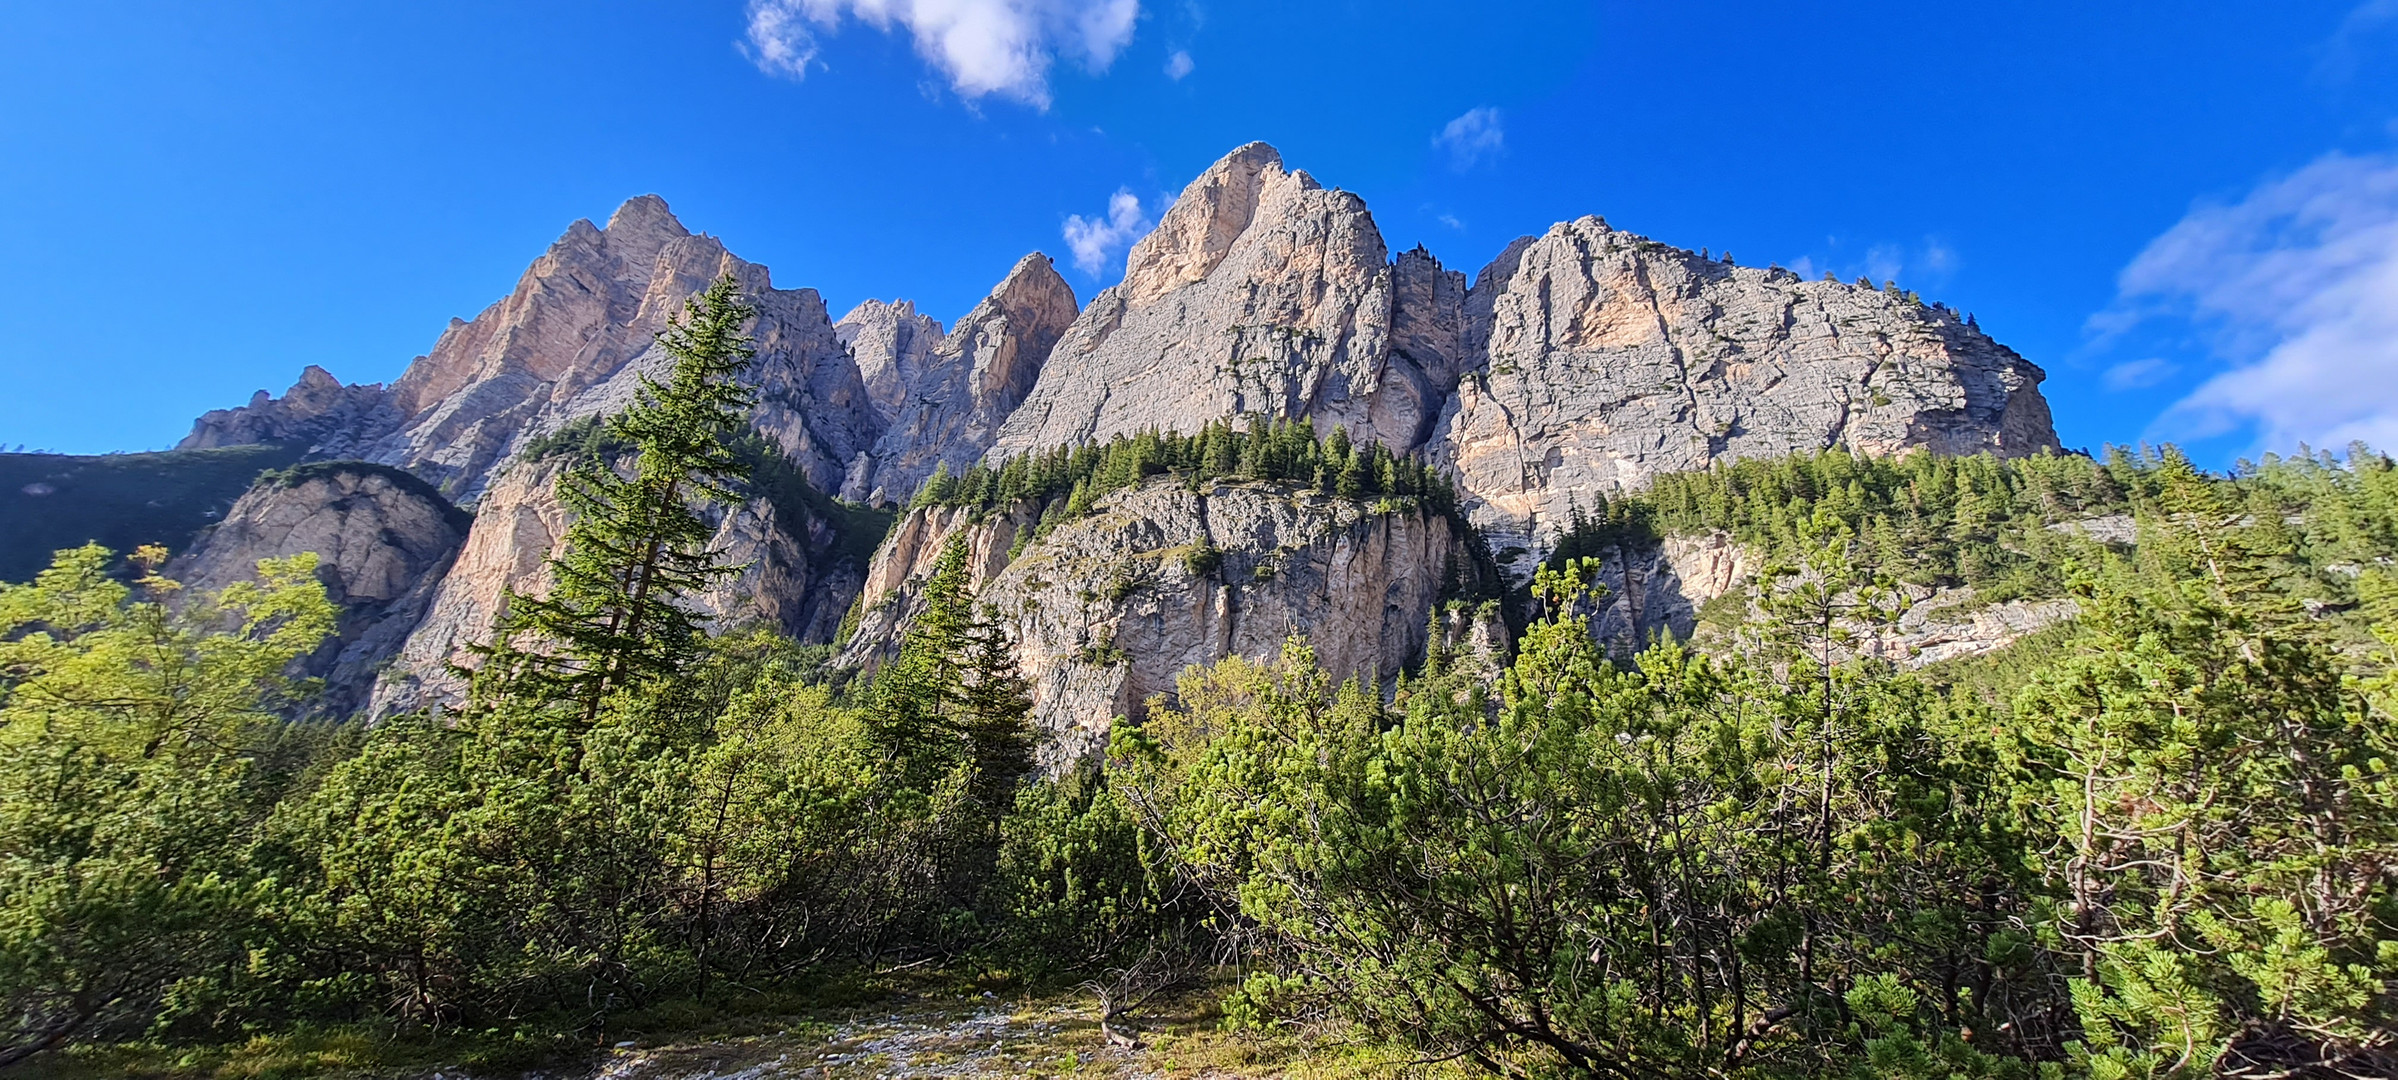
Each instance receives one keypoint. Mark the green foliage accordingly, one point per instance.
(1080, 888)
(2217, 810)
(637, 543)
(2157, 843)
(51, 502)
(1063, 484)
(1666, 872)
(1923, 518)
(130, 732)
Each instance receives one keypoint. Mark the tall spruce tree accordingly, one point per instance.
(638, 542)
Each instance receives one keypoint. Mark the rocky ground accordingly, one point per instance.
(944, 1032)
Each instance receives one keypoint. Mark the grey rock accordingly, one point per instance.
(569, 341)
(790, 577)
(1608, 358)
(1259, 292)
(2119, 529)
(1655, 590)
(383, 540)
(1581, 362)
(891, 344)
(318, 408)
(968, 384)
(1106, 611)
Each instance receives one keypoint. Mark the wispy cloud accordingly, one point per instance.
(2343, 53)
(2297, 285)
(2139, 374)
(1884, 262)
(982, 47)
(1179, 65)
(1928, 265)
(1098, 241)
(1472, 137)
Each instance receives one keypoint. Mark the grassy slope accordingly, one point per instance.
(119, 500)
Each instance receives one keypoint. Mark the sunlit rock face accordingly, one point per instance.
(571, 340)
(965, 386)
(1580, 362)
(1260, 291)
(1603, 359)
(1105, 611)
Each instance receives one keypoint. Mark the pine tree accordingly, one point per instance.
(638, 543)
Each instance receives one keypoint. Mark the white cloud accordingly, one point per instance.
(1179, 65)
(2298, 283)
(1451, 221)
(1096, 241)
(779, 40)
(1939, 259)
(983, 47)
(1883, 262)
(2141, 373)
(1472, 137)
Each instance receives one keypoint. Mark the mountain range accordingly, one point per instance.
(1578, 363)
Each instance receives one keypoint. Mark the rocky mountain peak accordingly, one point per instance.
(1196, 233)
(644, 221)
(1259, 292)
(1578, 363)
(891, 344)
(967, 385)
(317, 407)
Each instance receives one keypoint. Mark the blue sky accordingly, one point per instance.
(2187, 213)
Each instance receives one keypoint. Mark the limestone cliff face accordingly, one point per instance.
(969, 383)
(1259, 292)
(1607, 358)
(1655, 589)
(789, 578)
(571, 340)
(892, 345)
(1107, 610)
(383, 540)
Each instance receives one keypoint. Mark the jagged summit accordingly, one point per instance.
(646, 215)
(1578, 362)
(965, 386)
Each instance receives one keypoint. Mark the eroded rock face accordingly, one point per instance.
(969, 384)
(892, 344)
(1581, 362)
(1107, 610)
(1607, 358)
(789, 578)
(1656, 590)
(1259, 292)
(383, 540)
(316, 408)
